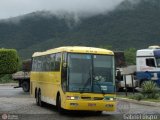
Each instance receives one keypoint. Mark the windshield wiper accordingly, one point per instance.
(99, 85)
(88, 80)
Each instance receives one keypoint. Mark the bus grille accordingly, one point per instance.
(86, 98)
(90, 98)
(98, 98)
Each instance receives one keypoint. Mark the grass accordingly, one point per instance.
(122, 96)
(152, 100)
(10, 81)
(6, 79)
(129, 97)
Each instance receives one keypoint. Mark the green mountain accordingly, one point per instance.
(129, 25)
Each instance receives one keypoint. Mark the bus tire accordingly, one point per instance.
(60, 110)
(36, 92)
(98, 112)
(25, 86)
(40, 102)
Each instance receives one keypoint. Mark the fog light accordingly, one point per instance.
(73, 104)
(109, 105)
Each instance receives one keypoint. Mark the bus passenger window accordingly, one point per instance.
(39, 64)
(52, 63)
(43, 63)
(57, 62)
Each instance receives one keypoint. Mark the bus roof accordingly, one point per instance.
(74, 49)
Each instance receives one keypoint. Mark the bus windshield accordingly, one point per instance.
(90, 73)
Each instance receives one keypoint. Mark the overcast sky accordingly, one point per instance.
(12, 8)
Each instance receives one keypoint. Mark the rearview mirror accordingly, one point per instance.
(119, 76)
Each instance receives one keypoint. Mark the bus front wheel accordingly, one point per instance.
(60, 110)
(98, 112)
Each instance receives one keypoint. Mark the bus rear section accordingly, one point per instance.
(85, 80)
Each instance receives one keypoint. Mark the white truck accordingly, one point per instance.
(124, 73)
(148, 65)
(127, 75)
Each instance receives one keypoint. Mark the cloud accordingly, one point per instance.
(12, 8)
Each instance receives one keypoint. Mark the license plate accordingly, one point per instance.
(91, 104)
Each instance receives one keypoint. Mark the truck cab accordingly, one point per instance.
(148, 65)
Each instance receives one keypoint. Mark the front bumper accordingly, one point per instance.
(96, 105)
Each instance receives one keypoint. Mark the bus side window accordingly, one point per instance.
(150, 62)
(40, 64)
(52, 62)
(57, 61)
(48, 63)
(43, 64)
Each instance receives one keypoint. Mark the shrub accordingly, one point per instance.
(157, 96)
(149, 89)
(131, 97)
(8, 61)
(152, 95)
(130, 55)
(5, 78)
(138, 96)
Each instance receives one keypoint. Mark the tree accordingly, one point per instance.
(9, 61)
(130, 56)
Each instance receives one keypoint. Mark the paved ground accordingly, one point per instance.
(19, 105)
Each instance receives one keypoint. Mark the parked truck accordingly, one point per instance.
(23, 77)
(124, 73)
(148, 65)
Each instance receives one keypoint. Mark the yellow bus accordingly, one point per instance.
(74, 78)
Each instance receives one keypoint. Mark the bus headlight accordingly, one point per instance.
(72, 97)
(109, 98)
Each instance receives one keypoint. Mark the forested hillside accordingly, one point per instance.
(129, 25)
